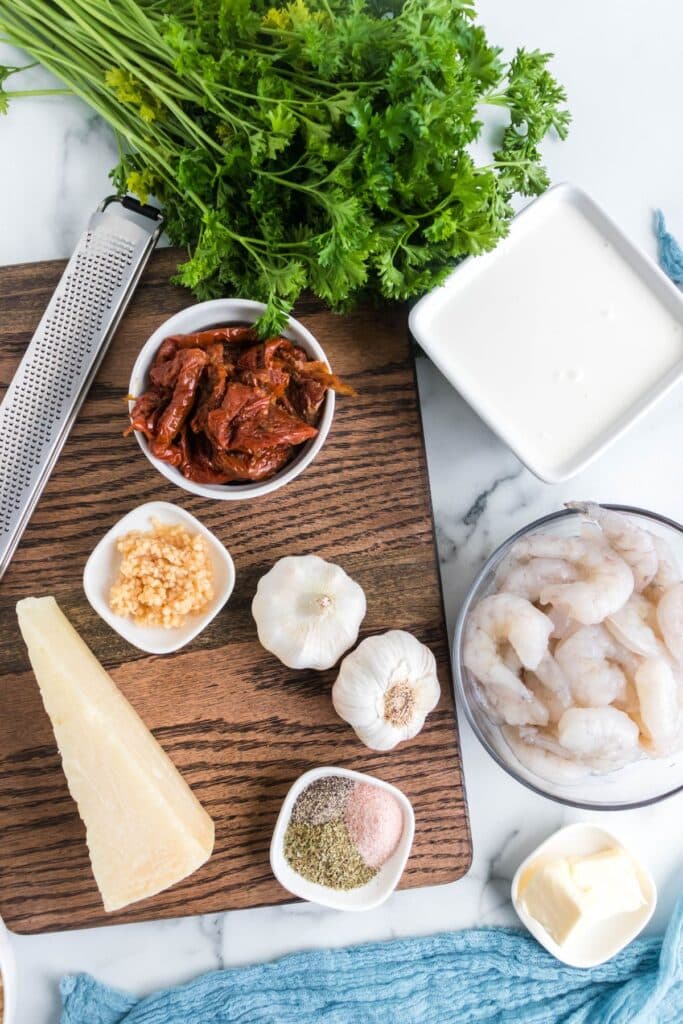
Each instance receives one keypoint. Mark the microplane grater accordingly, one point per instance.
(58, 367)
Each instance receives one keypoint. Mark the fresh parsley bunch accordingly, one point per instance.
(314, 144)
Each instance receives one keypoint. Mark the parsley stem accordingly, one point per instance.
(17, 94)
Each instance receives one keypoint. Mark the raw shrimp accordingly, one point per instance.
(603, 733)
(563, 624)
(594, 663)
(634, 626)
(510, 658)
(501, 618)
(628, 700)
(546, 739)
(498, 620)
(528, 579)
(554, 678)
(550, 701)
(634, 544)
(482, 697)
(605, 580)
(660, 711)
(670, 619)
(538, 761)
(503, 706)
(667, 573)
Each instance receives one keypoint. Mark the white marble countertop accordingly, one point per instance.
(626, 148)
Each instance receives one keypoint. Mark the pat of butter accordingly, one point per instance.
(564, 894)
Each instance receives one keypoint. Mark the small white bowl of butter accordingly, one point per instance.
(561, 337)
(583, 895)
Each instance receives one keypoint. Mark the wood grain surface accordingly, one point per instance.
(238, 724)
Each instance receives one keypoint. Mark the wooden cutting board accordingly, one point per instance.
(238, 724)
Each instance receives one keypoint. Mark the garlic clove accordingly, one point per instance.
(386, 688)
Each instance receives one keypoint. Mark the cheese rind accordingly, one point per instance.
(145, 829)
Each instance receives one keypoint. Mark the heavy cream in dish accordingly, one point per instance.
(555, 336)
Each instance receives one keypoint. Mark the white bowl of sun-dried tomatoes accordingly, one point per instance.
(225, 414)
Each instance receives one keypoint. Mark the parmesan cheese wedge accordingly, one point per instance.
(145, 829)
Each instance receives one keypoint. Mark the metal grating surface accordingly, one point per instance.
(50, 384)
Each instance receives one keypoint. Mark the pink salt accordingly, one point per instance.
(374, 819)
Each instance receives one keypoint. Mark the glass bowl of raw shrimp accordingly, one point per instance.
(598, 722)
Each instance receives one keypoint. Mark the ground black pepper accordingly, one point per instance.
(324, 800)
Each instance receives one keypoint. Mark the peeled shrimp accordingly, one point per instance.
(528, 579)
(667, 573)
(604, 733)
(660, 711)
(664, 747)
(502, 706)
(543, 739)
(670, 619)
(510, 658)
(498, 620)
(605, 580)
(563, 624)
(634, 544)
(501, 618)
(554, 678)
(543, 763)
(594, 663)
(554, 705)
(634, 626)
(546, 739)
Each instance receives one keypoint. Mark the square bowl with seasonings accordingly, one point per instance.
(342, 839)
(158, 577)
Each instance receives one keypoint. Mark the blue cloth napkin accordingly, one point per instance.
(670, 252)
(490, 975)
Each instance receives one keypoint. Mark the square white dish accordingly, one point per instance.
(602, 940)
(102, 568)
(589, 293)
(366, 897)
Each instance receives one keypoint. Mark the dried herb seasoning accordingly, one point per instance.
(326, 854)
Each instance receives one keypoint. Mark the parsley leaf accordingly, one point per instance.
(319, 145)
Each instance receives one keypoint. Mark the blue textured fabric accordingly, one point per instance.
(482, 976)
(670, 252)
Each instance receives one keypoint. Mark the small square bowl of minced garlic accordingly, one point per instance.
(342, 839)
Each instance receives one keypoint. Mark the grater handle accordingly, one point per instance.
(58, 367)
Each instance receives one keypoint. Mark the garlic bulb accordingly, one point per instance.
(308, 611)
(386, 688)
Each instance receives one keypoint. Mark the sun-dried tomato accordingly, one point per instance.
(223, 407)
(190, 363)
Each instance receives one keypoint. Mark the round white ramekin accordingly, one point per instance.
(215, 313)
(366, 897)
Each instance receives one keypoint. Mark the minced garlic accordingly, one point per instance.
(165, 575)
